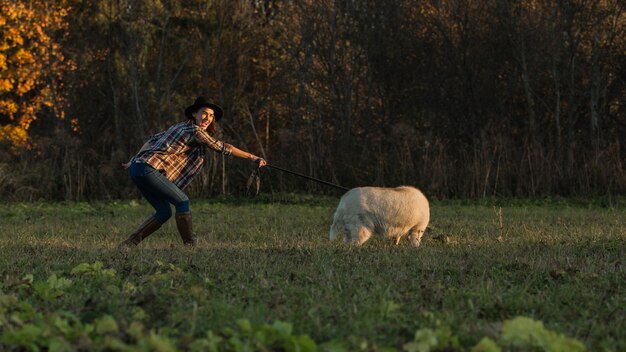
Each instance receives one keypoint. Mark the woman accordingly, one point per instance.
(169, 160)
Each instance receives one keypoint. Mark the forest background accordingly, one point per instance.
(462, 98)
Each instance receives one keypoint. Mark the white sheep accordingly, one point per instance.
(387, 212)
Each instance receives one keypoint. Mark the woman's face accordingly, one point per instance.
(203, 117)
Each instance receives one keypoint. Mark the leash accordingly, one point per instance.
(308, 177)
(254, 181)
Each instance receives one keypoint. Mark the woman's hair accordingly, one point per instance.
(210, 129)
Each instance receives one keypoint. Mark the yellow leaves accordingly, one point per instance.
(16, 130)
(23, 57)
(3, 62)
(8, 108)
(26, 84)
(11, 38)
(32, 65)
(16, 134)
(5, 85)
(13, 11)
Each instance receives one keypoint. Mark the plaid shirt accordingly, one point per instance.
(179, 151)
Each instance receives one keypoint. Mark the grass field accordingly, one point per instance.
(262, 267)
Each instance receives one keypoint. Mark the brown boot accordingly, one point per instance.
(144, 230)
(185, 228)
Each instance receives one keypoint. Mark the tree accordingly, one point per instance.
(31, 65)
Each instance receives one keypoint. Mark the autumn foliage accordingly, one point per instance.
(31, 65)
(462, 98)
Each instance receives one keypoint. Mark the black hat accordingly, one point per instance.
(204, 102)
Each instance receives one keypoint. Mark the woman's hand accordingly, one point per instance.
(261, 162)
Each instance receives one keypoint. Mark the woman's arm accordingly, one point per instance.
(245, 155)
(225, 148)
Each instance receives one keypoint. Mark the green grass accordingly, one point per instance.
(479, 265)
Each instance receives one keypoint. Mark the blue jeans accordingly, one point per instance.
(158, 191)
